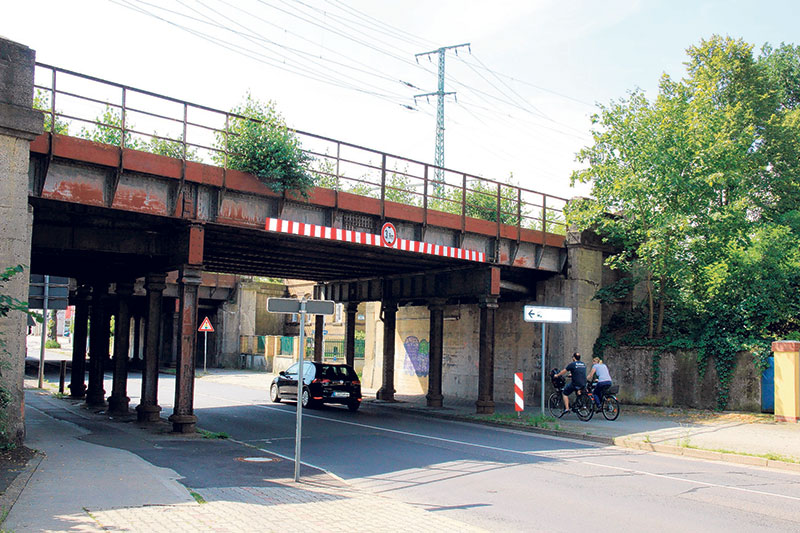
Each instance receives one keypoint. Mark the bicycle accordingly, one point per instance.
(610, 405)
(583, 406)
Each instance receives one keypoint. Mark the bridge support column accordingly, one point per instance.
(19, 124)
(183, 418)
(436, 334)
(386, 392)
(485, 404)
(148, 409)
(98, 346)
(137, 342)
(118, 402)
(77, 384)
(350, 333)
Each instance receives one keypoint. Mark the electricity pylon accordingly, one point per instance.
(440, 94)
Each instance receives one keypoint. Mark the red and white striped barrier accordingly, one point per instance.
(370, 239)
(519, 403)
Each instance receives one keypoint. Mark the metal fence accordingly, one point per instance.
(85, 106)
(335, 348)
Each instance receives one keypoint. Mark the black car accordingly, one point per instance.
(323, 383)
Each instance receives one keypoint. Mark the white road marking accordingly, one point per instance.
(507, 450)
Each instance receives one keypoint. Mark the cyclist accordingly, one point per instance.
(577, 370)
(603, 380)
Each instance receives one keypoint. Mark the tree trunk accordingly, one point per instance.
(661, 303)
(649, 306)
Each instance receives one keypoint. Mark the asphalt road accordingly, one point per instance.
(507, 480)
(501, 480)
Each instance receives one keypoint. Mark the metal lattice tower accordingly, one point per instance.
(440, 94)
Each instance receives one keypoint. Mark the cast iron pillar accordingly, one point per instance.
(148, 409)
(319, 329)
(350, 333)
(183, 418)
(137, 341)
(436, 333)
(386, 392)
(98, 346)
(485, 403)
(77, 384)
(118, 402)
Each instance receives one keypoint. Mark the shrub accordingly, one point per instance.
(258, 141)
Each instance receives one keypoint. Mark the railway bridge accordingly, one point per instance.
(141, 204)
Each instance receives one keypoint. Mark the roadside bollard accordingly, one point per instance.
(62, 376)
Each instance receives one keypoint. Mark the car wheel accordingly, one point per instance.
(274, 395)
(353, 406)
(306, 398)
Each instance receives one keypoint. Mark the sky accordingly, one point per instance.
(525, 88)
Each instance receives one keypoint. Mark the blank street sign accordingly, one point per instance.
(292, 305)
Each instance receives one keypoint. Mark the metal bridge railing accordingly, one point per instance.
(85, 106)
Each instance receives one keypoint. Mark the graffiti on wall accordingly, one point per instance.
(417, 362)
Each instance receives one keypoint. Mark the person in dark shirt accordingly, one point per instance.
(577, 370)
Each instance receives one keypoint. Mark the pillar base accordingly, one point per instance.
(484, 407)
(96, 399)
(781, 418)
(76, 392)
(183, 423)
(385, 395)
(118, 405)
(148, 413)
(434, 400)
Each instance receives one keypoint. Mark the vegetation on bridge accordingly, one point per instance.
(698, 190)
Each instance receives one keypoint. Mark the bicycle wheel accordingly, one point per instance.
(584, 408)
(610, 407)
(555, 405)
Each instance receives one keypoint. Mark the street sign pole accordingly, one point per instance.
(299, 424)
(205, 351)
(314, 307)
(44, 330)
(545, 315)
(544, 343)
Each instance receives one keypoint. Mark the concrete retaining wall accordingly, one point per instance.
(679, 382)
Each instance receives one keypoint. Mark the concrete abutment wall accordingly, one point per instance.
(19, 124)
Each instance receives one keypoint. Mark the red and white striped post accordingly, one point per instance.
(519, 403)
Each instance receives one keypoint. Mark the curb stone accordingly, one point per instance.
(10, 496)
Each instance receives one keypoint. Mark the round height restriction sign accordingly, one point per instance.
(388, 235)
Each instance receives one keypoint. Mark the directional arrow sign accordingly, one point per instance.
(552, 315)
(291, 305)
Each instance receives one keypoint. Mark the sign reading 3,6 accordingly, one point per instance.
(388, 234)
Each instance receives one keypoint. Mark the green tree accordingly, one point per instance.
(259, 142)
(698, 190)
(108, 129)
(41, 101)
(399, 189)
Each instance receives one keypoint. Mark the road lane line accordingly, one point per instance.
(694, 481)
(528, 453)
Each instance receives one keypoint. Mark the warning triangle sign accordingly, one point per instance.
(206, 326)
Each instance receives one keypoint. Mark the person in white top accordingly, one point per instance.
(603, 379)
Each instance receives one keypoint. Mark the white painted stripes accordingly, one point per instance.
(357, 237)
